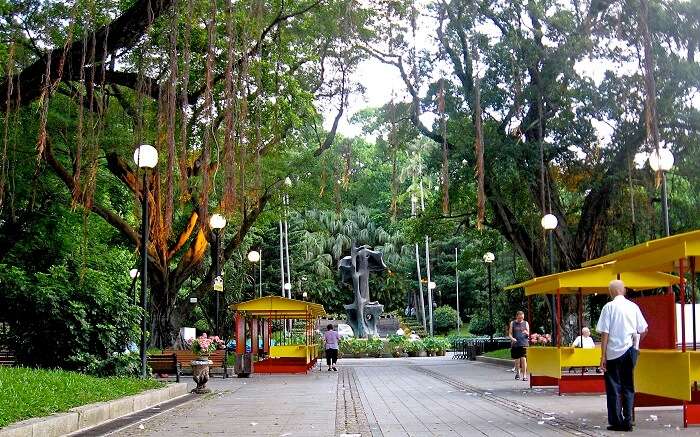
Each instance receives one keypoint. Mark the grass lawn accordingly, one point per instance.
(29, 393)
(463, 331)
(499, 353)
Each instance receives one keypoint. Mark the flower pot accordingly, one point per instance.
(200, 374)
(422, 354)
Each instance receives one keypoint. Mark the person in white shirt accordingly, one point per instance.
(585, 340)
(621, 325)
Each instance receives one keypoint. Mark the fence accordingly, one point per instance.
(470, 348)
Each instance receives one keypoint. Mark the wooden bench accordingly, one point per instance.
(185, 358)
(7, 358)
(164, 364)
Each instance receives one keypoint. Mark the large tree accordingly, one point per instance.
(227, 92)
(522, 69)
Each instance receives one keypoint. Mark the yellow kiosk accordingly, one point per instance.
(667, 372)
(286, 350)
(545, 363)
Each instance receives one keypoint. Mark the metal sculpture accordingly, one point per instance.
(363, 314)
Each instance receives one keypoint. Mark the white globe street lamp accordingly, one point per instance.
(253, 256)
(217, 221)
(489, 257)
(661, 160)
(287, 286)
(288, 181)
(432, 285)
(146, 156)
(549, 222)
(134, 273)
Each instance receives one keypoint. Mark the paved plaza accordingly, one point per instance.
(394, 397)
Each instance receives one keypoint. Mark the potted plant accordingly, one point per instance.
(397, 344)
(414, 348)
(431, 345)
(203, 346)
(443, 344)
(373, 347)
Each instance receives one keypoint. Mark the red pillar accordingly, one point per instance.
(239, 323)
(254, 335)
(266, 331)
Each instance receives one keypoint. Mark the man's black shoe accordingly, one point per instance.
(622, 428)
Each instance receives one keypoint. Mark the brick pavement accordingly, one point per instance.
(389, 398)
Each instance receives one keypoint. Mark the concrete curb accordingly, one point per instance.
(88, 416)
(496, 361)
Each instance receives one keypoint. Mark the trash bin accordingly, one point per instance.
(244, 365)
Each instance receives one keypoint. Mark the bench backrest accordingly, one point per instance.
(163, 363)
(7, 358)
(185, 357)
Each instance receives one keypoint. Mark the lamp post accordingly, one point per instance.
(217, 223)
(145, 157)
(133, 274)
(488, 259)
(431, 286)
(662, 160)
(254, 257)
(549, 223)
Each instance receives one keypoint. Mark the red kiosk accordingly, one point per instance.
(278, 332)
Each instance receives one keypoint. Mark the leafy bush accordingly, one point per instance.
(60, 319)
(118, 364)
(414, 347)
(444, 319)
(479, 324)
(373, 347)
(397, 345)
(359, 347)
(432, 344)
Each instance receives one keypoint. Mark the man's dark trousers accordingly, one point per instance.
(619, 387)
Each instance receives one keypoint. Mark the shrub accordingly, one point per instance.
(444, 319)
(414, 347)
(479, 324)
(373, 347)
(60, 319)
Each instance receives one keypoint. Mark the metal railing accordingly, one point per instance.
(468, 348)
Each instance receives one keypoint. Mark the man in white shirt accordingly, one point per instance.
(585, 340)
(621, 325)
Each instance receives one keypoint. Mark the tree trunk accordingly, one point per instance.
(161, 309)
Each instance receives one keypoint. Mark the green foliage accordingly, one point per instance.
(58, 319)
(360, 347)
(29, 393)
(479, 324)
(444, 319)
(414, 347)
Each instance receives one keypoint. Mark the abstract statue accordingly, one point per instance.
(354, 269)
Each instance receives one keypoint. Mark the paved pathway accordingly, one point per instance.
(392, 397)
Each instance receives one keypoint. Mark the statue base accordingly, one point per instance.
(366, 328)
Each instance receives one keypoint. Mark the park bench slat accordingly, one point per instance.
(164, 363)
(185, 358)
(7, 358)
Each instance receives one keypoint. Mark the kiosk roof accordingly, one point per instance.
(280, 307)
(594, 279)
(658, 255)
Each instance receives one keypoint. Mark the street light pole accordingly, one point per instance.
(144, 271)
(145, 157)
(457, 289)
(217, 223)
(488, 259)
(549, 223)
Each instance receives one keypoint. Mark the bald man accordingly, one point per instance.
(622, 325)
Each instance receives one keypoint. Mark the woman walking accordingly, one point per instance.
(331, 338)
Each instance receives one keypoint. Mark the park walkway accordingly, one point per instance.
(393, 397)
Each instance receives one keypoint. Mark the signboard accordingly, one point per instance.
(218, 283)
